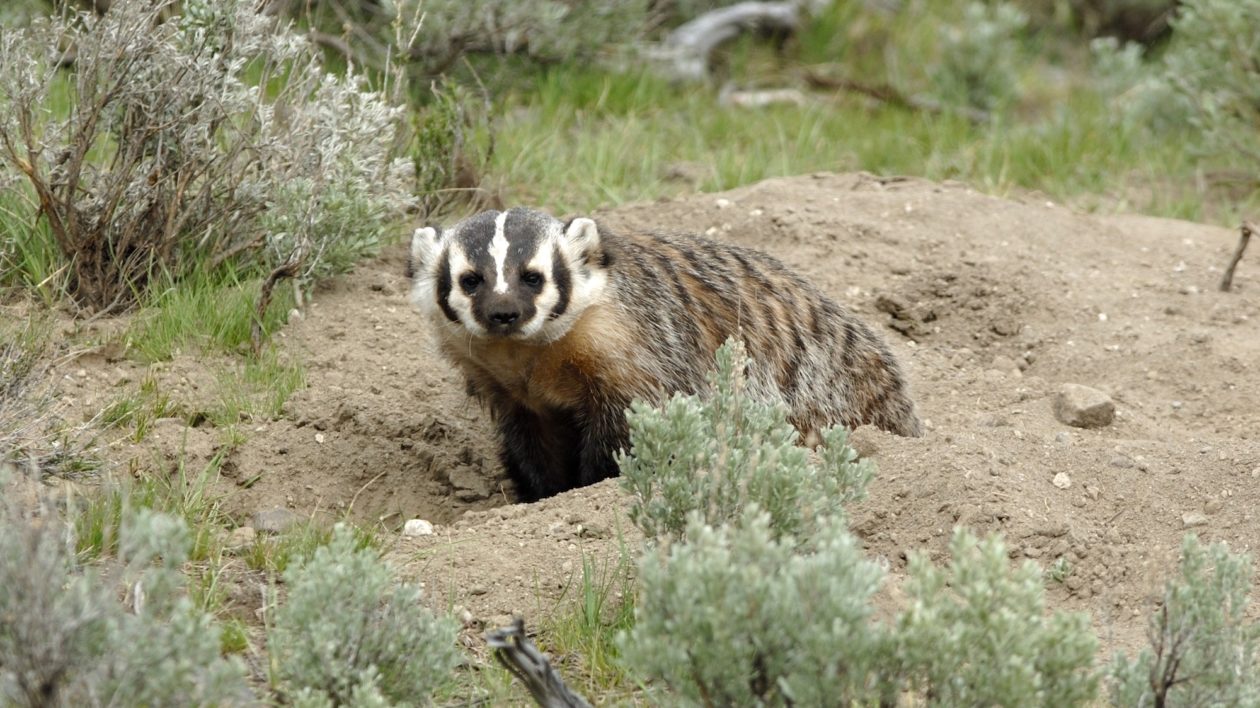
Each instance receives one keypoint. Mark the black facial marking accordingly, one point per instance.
(444, 291)
(564, 282)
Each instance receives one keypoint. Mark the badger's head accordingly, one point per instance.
(518, 274)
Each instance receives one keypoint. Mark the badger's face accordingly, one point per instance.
(519, 274)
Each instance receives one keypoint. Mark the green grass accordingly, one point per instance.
(207, 311)
(274, 554)
(257, 389)
(584, 632)
(580, 139)
(184, 494)
(29, 258)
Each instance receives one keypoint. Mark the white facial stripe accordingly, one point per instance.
(499, 251)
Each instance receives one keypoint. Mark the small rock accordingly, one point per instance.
(1063, 438)
(1213, 506)
(1121, 462)
(1083, 407)
(1005, 364)
(478, 590)
(1093, 492)
(723, 203)
(1190, 519)
(320, 438)
(499, 621)
(469, 483)
(241, 537)
(1062, 480)
(273, 521)
(417, 527)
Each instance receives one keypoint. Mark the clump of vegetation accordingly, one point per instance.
(735, 616)
(1203, 650)
(348, 635)
(977, 633)
(719, 453)
(980, 56)
(1211, 64)
(66, 640)
(185, 143)
(769, 603)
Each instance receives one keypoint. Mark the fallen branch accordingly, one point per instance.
(886, 93)
(689, 46)
(289, 269)
(518, 655)
(1246, 230)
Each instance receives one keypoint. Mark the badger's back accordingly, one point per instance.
(685, 295)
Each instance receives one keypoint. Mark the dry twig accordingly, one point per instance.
(1246, 231)
(518, 655)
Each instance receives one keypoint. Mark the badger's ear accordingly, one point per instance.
(426, 244)
(582, 237)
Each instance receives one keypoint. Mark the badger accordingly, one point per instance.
(557, 326)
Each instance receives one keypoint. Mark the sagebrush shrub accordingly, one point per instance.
(191, 141)
(980, 56)
(347, 634)
(977, 633)
(1203, 649)
(735, 616)
(716, 454)
(65, 640)
(1211, 64)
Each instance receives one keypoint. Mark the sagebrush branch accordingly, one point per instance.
(1245, 232)
(518, 655)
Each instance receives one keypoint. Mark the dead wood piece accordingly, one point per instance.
(690, 45)
(886, 93)
(289, 269)
(761, 98)
(1246, 230)
(518, 655)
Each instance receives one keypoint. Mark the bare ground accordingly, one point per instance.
(992, 303)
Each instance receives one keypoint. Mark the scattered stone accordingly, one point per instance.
(1005, 364)
(1063, 438)
(1083, 407)
(241, 537)
(469, 484)
(1190, 519)
(1213, 506)
(320, 438)
(273, 521)
(1122, 462)
(478, 590)
(723, 203)
(1062, 480)
(1093, 492)
(417, 527)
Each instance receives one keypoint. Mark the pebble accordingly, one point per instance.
(1083, 407)
(273, 521)
(1213, 506)
(723, 203)
(1062, 480)
(1122, 462)
(241, 537)
(1190, 519)
(417, 527)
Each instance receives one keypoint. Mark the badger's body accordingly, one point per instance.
(558, 327)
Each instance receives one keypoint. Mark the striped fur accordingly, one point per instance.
(620, 317)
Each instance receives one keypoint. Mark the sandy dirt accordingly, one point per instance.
(992, 303)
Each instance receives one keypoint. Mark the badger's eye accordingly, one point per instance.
(532, 278)
(469, 282)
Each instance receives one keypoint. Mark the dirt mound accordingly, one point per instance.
(993, 305)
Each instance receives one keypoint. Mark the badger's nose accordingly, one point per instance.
(504, 317)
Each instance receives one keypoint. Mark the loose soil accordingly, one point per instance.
(991, 303)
